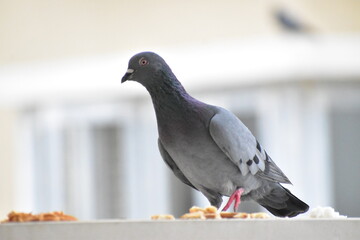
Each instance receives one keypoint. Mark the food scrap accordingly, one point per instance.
(29, 217)
(212, 213)
(162, 217)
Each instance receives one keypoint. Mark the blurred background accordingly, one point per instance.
(73, 138)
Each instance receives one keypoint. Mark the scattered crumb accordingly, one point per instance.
(196, 209)
(163, 217)
(259, 215)
(194, 215)
(228, 214)
(212, 215)
(241, 215)
(211, 209)
(29, 217)
(212, 212)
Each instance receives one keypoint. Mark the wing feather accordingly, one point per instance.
(235, 139)
(242, 148)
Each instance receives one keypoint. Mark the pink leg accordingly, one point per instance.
(236, 196)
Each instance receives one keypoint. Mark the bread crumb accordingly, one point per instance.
(163, 217)
(193, 215)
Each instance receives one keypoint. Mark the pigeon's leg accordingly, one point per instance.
(236, 196)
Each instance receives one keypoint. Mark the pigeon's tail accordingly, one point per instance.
(282, 203)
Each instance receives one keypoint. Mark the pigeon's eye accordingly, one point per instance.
(143, 61)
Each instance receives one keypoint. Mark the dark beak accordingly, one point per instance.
(127, 75)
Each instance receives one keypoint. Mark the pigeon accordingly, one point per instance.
(291, 23)
(207, 147)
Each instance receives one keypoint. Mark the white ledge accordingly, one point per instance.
(186, 229)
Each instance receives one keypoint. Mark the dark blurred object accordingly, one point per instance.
(288, 21)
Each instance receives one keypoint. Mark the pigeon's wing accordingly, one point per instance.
(172, 165)
(241, 147)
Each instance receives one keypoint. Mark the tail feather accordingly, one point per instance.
(282, 203)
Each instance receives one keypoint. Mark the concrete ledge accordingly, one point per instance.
(186, 229)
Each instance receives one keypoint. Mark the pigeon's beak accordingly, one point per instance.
(127, 75)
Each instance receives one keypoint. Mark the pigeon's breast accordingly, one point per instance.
(200, 159)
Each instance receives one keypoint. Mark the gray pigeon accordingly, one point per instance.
(209, 148)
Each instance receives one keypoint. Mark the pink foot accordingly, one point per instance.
(234, 197)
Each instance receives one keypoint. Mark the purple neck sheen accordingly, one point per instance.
(169, 97)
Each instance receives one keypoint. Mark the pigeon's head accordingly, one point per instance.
(144, 67)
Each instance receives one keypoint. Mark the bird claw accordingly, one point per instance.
(236, 196)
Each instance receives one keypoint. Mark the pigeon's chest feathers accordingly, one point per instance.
(182, 126)
(180, 117)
